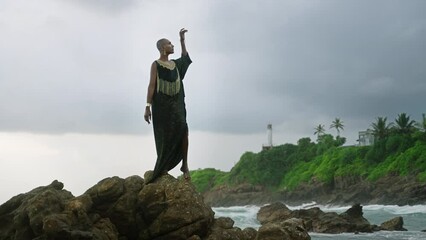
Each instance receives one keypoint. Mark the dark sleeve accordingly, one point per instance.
(182, 65)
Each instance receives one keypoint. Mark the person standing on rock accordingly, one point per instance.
(166, 100)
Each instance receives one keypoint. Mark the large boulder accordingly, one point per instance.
(273, 212)
(290, 229)
(172, 209)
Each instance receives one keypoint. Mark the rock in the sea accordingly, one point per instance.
(395, 224)
(354, 215)
(290, 229)
(273, 212)
(316, 220)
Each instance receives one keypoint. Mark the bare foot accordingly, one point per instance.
(186, 174)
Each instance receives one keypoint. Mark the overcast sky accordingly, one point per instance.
(74, 74)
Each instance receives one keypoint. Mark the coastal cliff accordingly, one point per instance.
(348, 190)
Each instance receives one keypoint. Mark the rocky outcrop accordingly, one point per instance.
(23, 216)
(316, 220)
(342, 190)
(122, 209)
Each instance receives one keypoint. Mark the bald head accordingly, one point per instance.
(160, 44)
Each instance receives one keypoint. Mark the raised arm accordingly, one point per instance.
(182, 41)
(150, 94)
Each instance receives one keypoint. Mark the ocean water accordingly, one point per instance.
(414, 220)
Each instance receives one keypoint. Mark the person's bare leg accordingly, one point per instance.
(184, 168)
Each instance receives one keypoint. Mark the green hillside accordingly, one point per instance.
(399, 149)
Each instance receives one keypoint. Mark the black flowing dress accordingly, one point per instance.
(169, 114)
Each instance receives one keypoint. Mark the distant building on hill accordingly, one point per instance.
(269, 134)
(366, 138)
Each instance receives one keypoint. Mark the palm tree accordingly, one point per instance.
(338, 125)
(403, 124)
(380, 128)
(319, 131)
(422, 125)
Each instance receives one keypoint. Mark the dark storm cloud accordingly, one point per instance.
(285, 62)
(348, 59)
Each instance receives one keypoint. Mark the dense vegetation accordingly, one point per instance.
(399, 149)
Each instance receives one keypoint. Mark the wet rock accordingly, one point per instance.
(291, 229)
(224, 223)
(354, 216)
(249, 233)
(316, 220)
(273, 212)
(223, 228)
(395, 224)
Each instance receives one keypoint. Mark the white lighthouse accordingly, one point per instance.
(269, 135)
